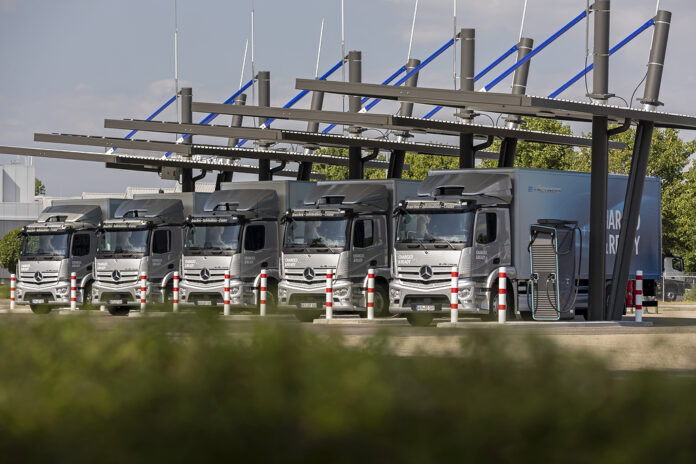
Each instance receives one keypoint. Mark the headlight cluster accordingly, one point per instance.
(62, 291)
(394, 293)
(282, 292)
(234, 291)
(464, 293)
(340, 292)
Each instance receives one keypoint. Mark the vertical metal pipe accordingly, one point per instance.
(600, 75)
(237, 119)
(629, 219)
(508, 147)
(264, 82)
(598, 218)
(468, 54)
(396, 160)
(187, 183)
(355, 165)
(305, 169)
(657, 60)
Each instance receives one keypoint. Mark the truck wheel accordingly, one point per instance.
(40, 309)
(271, 298)
(381, 302)
(307, 316)
(419, 320)
(670, 294)
(87, 298)
(492, 315)
(118, 310)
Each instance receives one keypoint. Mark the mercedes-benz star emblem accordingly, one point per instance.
(205, 274)
(426, 272)
(308, 273)
(38, 276)
(116, 276)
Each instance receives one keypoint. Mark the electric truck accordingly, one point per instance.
(236, 232)
(60, 242)
(145, 236)
(533, 223)
(346, 227)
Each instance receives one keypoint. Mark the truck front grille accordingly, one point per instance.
(125, 277)
(47, 277)
(214, 276)
(441, 274)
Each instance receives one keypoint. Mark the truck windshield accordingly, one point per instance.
(212, 237)
(449, 227)
(45, 245)
(123, 241)
(326, 233)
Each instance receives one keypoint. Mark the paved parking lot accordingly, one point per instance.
(669, 344)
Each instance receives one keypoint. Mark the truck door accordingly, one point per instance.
(258, 248)
(81, 254)
(369, 243)
(491, 240)
(162, 259)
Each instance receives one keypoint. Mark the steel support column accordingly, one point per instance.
(598, 218)
(629, 219)
(187, 183)
(355, 165)
(396, 160)
(508, 147)
(264, 86)
(467, 73)
(237, 119)
(305, 169)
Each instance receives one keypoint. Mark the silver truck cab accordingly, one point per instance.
(345, 226)
(145, 235)
(62, 241)
(237, 232)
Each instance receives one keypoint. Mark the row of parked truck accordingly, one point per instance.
(532, 223)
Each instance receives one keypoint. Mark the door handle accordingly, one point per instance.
(89, 268)
(496, 261)
(171, 266)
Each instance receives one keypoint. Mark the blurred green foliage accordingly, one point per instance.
(10, 246)
(188, 389)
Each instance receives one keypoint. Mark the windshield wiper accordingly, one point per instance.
(435, 240)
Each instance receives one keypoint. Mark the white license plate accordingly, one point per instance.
(425, 307)
(204, 303)
(38, 301)
(308, 305)
(115, 302)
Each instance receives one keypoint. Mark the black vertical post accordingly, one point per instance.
(468, 58)
(305, 168)
(396, 160)
(264, 82)
(600, 166)
(226, 176)
(187, 183)
(639, 167)
(508, 147)
(355, 165)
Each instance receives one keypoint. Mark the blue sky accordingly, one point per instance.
(68, 65)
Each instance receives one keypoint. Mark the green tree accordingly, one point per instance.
(333, 172)
(39, 187)
(10, 245)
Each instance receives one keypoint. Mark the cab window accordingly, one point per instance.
(486, 228)
(161, 241)
(255, 238)
(363, 233)
(80, 245)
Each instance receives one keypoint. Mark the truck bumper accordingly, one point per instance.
(242, 294)
(407, 298)
(124, 294)
(55, 294)
(347, 296)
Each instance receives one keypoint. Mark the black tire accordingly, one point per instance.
(40, 309)
(492, 315)
(87, 298)
(271, 298)
(419, 320)
(381, 301)
(670, 293)
(303, 315)
(119, 310)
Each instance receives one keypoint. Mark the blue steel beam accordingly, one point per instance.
(616, 48)
(536, 51)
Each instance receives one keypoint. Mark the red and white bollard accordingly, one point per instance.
(370, 294)
(454, 296)
(639, 296)
(73, 291)
(175, 293)
(226, 296)
(502, 295)
(143, 292)
(262, 293)
(329, 294)
(13, 289)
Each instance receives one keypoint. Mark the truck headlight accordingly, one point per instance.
(341, 292)
(62, 291)
(464, 293)
(282, 292)
(394, 293)
(234, 291)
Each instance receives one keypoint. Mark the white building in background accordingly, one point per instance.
(18, 206)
